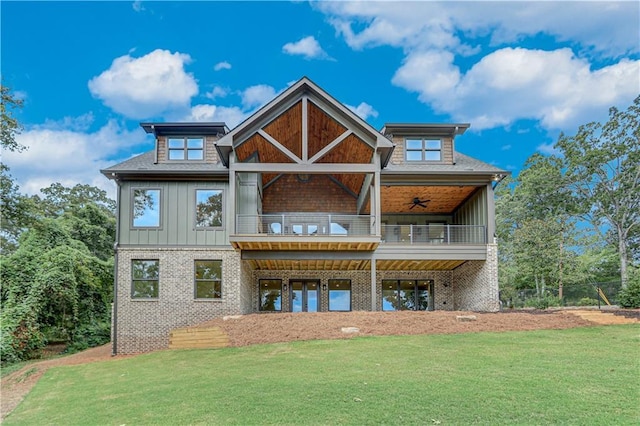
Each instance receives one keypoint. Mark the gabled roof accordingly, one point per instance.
(287, 98)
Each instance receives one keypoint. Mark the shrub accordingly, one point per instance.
(587, 301)
(543, 302)
(90, 335)
(630, 297)
(20, 336)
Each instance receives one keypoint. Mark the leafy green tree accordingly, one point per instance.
(17, 214)
(58, 199)
(52, 286)
(535, 227)
(9, 125)
(602, 170)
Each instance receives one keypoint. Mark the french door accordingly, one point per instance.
(304, 295)
(401, 295)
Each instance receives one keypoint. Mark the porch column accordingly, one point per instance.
(375, 191)
(231, 197)
(491, 215)
(374, 302)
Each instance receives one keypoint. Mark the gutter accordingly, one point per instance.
(114, 312)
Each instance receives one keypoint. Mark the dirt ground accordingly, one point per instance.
(283, 327)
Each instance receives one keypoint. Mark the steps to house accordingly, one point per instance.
(600, 317)
(198, 338)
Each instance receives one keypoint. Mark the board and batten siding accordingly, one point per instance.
(177, 216)
(474, 210)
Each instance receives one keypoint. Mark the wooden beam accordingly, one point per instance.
(305, 255)
(305, 127)
(330, 146)
(298, 168)
(279, 146)
(364, 192)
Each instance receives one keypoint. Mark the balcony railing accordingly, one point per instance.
(434, 234)
(310, 224)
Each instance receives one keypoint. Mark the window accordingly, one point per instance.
(339, 295)
(271, 295)
(403, 295)
(144, 279)
(423, 149)
(208, 208)
(146, 208)
(208, 279)
(186, 148)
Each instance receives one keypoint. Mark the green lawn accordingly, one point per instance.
(579, 376)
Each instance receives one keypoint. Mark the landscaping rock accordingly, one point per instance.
(465, 318)
(231, 317)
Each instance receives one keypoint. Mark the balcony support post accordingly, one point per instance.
(374, 279)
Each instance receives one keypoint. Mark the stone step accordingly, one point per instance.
(192, 338)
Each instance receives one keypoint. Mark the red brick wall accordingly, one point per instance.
(319, 194)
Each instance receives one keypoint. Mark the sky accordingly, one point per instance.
(519, 72)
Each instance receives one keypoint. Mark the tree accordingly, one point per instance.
(53, 287)
(18, 212)
(535, 227)
(9, 125)
(602, 169)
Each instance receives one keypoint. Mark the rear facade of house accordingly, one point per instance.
(303, 207)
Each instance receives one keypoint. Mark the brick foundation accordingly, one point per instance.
(144, 325)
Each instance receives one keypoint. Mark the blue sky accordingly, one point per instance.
(518, 72)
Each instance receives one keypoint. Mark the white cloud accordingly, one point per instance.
(137, 6)
(560, 88)
(217, 92)
(554, 87)
(548, 149)
(147, 86)
(256, 96)
(224, 65)
(599, 26)
(364, 110)
(231, 116)
(69, 156)
(307, 47)
(506, 147)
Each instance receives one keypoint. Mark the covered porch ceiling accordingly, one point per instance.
(434, 199)
(352, 265)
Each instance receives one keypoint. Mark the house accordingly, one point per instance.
(302, 207)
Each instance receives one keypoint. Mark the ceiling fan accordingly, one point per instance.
(418, 202)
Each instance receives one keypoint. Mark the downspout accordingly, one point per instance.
(114, 313)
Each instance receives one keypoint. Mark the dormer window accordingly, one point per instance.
(423, 149)
(186, 148)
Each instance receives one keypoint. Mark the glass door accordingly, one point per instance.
(304, 295)
(402, 295)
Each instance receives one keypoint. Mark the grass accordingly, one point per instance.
(577, 376)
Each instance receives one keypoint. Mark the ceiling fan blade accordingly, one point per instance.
(412, 206)
(421, 205)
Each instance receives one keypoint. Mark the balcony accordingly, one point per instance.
(434, 234)
(305, 231)
(430, 247)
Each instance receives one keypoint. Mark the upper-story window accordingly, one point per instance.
(423, 149)
(146, 208)
(208, 208)
(187, 148)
